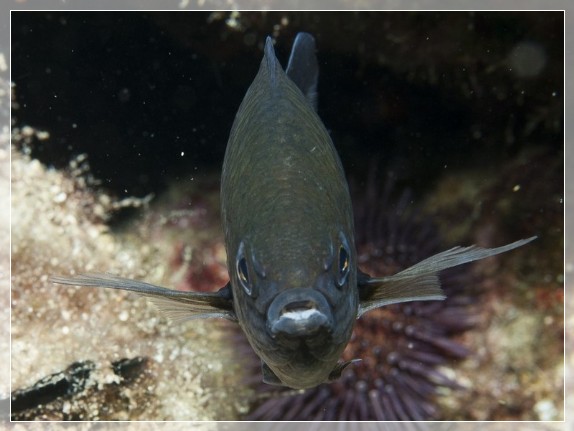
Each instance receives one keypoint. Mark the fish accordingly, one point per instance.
(295, 288)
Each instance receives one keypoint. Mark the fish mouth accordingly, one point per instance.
(297, 314)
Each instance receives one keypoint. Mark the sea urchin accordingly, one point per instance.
(402, 346)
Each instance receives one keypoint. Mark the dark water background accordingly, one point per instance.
(425, 93)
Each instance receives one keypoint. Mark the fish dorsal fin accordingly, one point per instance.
(303, 68)
(271, 61)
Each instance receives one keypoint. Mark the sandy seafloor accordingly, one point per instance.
(192, 372)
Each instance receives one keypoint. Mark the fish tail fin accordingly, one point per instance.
(303, 68)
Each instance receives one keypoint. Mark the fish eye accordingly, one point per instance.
(344, 265)
(242, 270)
(243, 274)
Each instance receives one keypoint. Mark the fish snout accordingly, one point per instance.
(299, 313)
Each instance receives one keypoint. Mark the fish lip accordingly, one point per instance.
(300, 323)
(299, 313)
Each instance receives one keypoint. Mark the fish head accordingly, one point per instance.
(296, 303)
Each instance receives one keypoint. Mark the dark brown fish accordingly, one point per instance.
(295, 288)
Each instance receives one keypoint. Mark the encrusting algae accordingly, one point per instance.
(132, 363)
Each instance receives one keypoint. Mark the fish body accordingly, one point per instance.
(295, 288)
(288, 225)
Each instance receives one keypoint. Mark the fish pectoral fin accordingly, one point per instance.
(195, 305)
(269, 376)
(420, 281)
(338, 370)
(177, 305)
(378, 292)
(303, 68)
